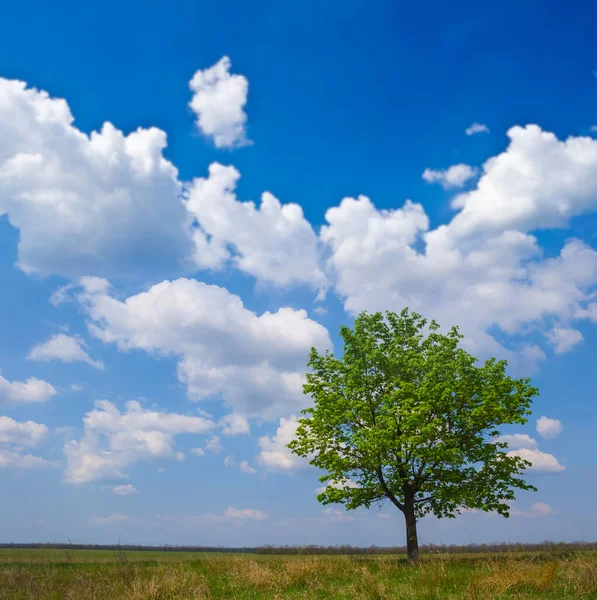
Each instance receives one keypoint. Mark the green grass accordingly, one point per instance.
(101, 575)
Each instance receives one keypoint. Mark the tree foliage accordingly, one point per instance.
(406, 415)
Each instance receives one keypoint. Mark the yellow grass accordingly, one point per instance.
(477, 577)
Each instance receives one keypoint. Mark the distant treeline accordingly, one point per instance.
(313, 549)
(431, 548)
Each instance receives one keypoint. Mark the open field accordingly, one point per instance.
(108, 575)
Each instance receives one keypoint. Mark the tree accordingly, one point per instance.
(408, 417)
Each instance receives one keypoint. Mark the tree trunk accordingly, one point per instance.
(412, 542)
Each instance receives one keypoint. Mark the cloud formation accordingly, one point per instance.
(32, 391)
(273, 242)
(100, 204)
(274, 454)
(113, 440)
(255, 363)
(549, 428)
(218, 103)
(540, 461)
(65, 348)
(453, 177)
(475, 128)
(14, 438)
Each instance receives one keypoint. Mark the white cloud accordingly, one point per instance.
(213, 444)
(538, 182)
(100, 204)
(245, 467)
(65, 348)
(274, 455)
(538, 509)
(339, 485)
(26, 434)
(14, 437)
(111, 520)
(14, 460)
(476, 128)
(337, 516)
(125, 490)
(540, 461)
(549, 428)
(517, 440)
(218, 102)
(234, 424)
(198, 451)
(244, 514)
(483, 270)
(273, 242)
(32, 390)
(564, 338)
(453, 177)
(115, 440)
(256, 364)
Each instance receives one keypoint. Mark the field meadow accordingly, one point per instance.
(143, 575)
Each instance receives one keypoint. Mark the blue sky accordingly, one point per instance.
(155, 327)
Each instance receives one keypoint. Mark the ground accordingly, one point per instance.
(33, 574)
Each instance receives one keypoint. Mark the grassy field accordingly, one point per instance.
(107, 575)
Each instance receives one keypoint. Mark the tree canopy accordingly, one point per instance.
(406, 415)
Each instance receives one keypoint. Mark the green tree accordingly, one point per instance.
(407, 416)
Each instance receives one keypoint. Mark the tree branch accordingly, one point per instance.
(387, 491)
(423, 499)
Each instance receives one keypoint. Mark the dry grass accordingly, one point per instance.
(539, 576)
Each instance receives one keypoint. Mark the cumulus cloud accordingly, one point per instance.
(218, 102)
(540, 461)
(563, 339)
(274, 455)
(28, 433)
(517, 440)
(213, 444)
(273, 242)
(198, 451)
(538, 182)
(255, 363)
(476, 128)
(114, 440)
(549, 428)
(538, 509)
(100, 204)
(336, 516)
(483, 270)
(32, 391)
(234, 424)
(14, 437)
(125, 490)
(453, 177)
(65, 348)
(245, 467)
(15, 460)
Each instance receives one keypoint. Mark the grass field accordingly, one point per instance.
(107, 575)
